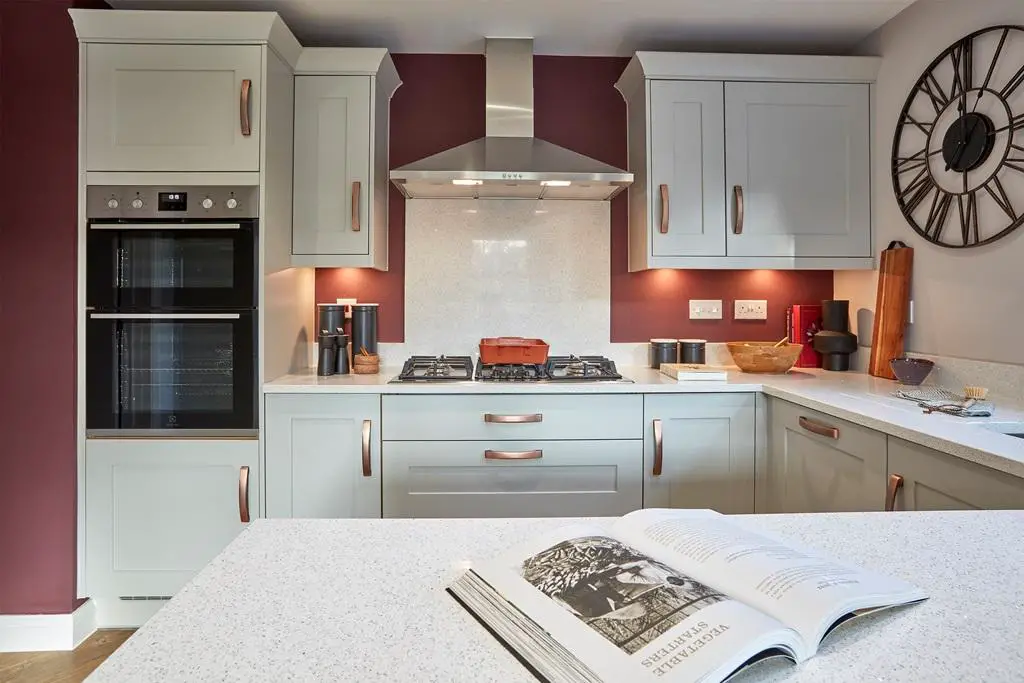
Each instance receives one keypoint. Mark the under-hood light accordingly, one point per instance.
(463, 181)
(556, 183)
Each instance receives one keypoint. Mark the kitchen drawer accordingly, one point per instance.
(563, 479)
(480, 417)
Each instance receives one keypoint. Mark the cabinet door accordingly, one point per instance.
(158, 511)
(687, 188)
(817, 463)
(707, 452)
(173, 107)
(937, 481)
(512, 478)
(323, 455)
(798, 169)
(332, 165)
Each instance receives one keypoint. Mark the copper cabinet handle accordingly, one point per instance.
(513, 419)
(513, 455)
(243, 107)
(659, 449)
(356, 187)
(243, 494)
(818, 428)
(664, 209)
(737, 226)
(895, 484)
(366, 448)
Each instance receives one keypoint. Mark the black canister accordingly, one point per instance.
(664, 351)
(328, 354)
(341, 363)
(330, 317)
(364, 328)
(693, 350)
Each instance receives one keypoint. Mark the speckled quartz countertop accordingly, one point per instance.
(856, 397)
(363, 600)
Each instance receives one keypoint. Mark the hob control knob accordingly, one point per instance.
(137, 203)
(112, 203)
(232, 203)
(207, 203)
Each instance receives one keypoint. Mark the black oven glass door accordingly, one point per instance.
(171, 371)
(170, 266)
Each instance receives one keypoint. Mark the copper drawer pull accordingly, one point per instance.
(664, 209)
(367, 472)
(818, 428)
(513, 455)
(737, 226)
(243, 107)
(513, 419)
(659, 449)
(356, 188)
(895, 484)
(243, 494)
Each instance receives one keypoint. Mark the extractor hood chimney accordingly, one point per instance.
(509, 163)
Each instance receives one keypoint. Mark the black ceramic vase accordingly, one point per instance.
(835, 342)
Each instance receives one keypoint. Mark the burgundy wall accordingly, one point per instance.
(441, 104)
(38, 180)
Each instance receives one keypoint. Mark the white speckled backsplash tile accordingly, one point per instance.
(486, 268)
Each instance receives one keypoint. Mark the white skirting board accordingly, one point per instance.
(116, 613)
(47, 632)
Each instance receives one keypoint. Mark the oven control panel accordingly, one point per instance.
(152, 202)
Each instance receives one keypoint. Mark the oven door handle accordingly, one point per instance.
(165, 316)
(165, 226)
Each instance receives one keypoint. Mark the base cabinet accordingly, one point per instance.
(323, 455)
(158, 511)
(818, 463)
(699, 452)
(512, 478)
(930, 480)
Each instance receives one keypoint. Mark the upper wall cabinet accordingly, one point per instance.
(749, 161)
(179, 92)
(342, 100)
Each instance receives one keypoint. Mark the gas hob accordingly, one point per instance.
(557, 369)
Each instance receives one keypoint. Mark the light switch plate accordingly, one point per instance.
(750, 309)
(705, 309)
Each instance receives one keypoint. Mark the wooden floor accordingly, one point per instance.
(60, 667)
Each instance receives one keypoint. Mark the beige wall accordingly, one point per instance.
(968, 303)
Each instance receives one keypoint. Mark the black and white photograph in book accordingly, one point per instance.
(622, 594)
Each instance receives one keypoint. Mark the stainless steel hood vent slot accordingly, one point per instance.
(509, 163)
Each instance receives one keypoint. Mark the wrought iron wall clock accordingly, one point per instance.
(958, 152)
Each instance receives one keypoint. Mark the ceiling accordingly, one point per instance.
(570, 27)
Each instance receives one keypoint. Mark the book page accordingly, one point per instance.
(795, 585)
(626, 615)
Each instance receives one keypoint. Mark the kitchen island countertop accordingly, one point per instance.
(852, 396)
(364, 600)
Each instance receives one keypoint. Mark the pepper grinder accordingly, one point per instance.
(835, 342)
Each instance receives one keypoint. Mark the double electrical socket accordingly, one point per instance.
(744, 309)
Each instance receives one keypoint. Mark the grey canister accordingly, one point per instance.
(693, 350)
(664, 351)
(364, 328)
(330, 317)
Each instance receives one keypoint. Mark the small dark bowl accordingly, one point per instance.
(911, 370)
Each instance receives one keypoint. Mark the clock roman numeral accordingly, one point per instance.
(936, 95)
(992, 64)
(937, 215)
(1016, 123)
(968, 219)
(1002, 199)
(917, 190)
(962, 57)
(1015, 163)
(923, 126)
(1013, 84)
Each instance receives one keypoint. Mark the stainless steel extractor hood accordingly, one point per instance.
(509, 162)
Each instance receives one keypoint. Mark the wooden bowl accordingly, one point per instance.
(764, 356)
(360, 359)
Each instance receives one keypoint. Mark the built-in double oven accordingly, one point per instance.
(171, 310)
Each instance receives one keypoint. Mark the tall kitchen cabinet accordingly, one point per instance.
(749, 161)
(158, 512)
(699, 451)
(340, 210)
(818, 463)
(323, 455)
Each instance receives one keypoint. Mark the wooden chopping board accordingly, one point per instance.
(891, 308)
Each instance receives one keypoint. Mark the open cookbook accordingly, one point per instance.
(675, 595)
